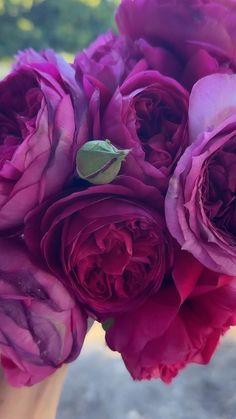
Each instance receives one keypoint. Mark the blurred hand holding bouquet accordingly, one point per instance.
(118, 194)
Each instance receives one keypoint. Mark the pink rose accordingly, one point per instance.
(148, 114)
(110, 59)
(179, 325)
(107, 246)
(41, 327)
(200, 34)
(39, 133)
(200, 204)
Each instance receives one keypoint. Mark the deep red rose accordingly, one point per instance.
(179, 325)
(111, 249)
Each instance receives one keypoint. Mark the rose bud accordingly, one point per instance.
(181, 324)
(107, 243)
(41, 326)
(99, 162)
(39, 133)
(200, 203)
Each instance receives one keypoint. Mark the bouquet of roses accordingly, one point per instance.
(118, 193)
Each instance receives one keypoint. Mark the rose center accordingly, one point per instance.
(219, 189)
(125, 264)
(156, 125)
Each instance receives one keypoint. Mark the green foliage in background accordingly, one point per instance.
(65, 25)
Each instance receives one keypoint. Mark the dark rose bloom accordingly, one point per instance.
(148, 114)
(109, 248)
(179, 325)
(201, 203)
(199, 33)
(41, 327)
(39, 133)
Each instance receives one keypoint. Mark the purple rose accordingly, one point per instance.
(201, 34)
(111, 58)
(41, 110)
(148, 114)
(108, 59)
(41, 326)
(201, 202)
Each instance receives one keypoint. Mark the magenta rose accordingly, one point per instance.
(179, 325)
(148, 115)
(109, 247)
(39, 133)
(200, 34)
(135, 106)
(200, 204)
(108, 59)
(41, 326)
(111, 58)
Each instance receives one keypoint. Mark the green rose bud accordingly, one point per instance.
(99, 162)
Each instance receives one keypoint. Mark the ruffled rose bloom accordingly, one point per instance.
(179, 325)
(134, 106)
(110, 248)
(201, 204)
(148, 114)
(39, 132)
(110, 59)
(41, 326)
(199, 34)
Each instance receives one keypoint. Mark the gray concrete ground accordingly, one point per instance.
(99, 387)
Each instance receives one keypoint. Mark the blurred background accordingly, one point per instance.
(98, 386)
(65, 25)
